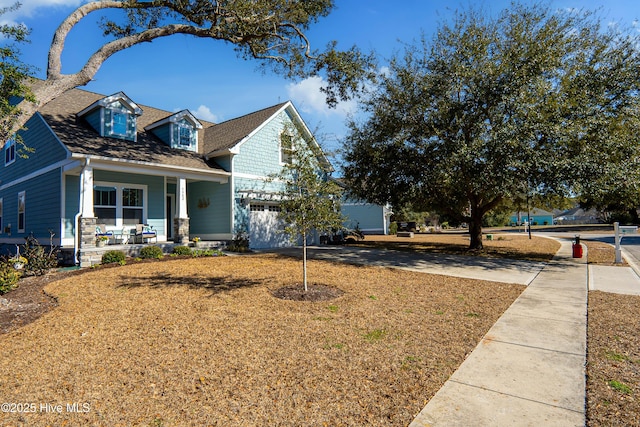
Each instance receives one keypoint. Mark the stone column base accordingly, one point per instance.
(86, 227)
(181, 229)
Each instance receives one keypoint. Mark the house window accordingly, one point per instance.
(10, 152)
(119, 122)
(286, 148)
(119, 126)
(104, 205)
(21, 212)
(185, 135)
(119, 205)
(256, 208)
(274, 208)
(132, 206)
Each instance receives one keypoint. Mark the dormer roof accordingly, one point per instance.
(108, 100)
(175, 118)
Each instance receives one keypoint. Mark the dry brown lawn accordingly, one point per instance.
(203, 342)
(613, 358)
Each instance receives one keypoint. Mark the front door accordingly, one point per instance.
(170, 214)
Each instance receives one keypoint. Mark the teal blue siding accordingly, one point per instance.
(47, 150)
(93, 118)
(209, 208)
(536, 218)
(224, 162)
(163, 132)
(71, 204)
(42, 206)
(260, 155)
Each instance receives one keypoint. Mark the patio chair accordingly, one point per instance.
(144, 233)
(101, 231)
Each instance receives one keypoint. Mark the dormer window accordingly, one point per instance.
(178, 131)
(119, 122)
(184, 135)
(114, 116)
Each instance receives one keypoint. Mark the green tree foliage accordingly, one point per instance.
(534, 101)
(14, 77)
(273, 32)
(310, 200)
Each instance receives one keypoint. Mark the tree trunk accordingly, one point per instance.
(304, 260)
(475, 228)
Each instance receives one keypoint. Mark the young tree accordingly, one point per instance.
(271, 31)
(310, 200)
(533, 102)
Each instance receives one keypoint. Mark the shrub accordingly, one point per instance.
(110, 257)
(240, 242)
(9, 276)
(181, 250)
(151, 252)
(207, 252)
(393, 228)
(39, 260)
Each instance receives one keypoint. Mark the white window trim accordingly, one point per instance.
(193, 140)
(119, 186)
(10, 145)
(22, 195)
(280, 149)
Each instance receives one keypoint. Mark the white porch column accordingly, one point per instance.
(86, 225)
(182, 199)
(86, 190)
(181, 220)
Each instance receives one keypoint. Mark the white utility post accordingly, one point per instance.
(619, 232)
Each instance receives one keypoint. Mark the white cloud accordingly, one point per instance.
(29, 6)
(203, 112)
(307, 96)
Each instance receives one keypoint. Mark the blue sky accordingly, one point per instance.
(206, 77)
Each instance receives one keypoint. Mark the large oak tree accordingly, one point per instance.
(533, 101)
(270, 31)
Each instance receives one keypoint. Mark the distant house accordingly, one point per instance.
(536, 217)
(578, 216)
(105, 160)
(369, 218)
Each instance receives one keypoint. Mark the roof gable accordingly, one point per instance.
(109, 100)
(225, 136)
(175, 118)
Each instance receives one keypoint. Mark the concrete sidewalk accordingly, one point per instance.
(529, 369)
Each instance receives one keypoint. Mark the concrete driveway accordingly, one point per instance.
(471, 267)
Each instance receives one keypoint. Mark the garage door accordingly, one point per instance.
(265, 230)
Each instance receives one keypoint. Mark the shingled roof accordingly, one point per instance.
(226, 135)
(80, 138)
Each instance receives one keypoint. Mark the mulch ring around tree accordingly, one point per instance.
(314, 292)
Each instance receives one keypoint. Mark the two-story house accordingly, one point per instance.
(107, 161)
